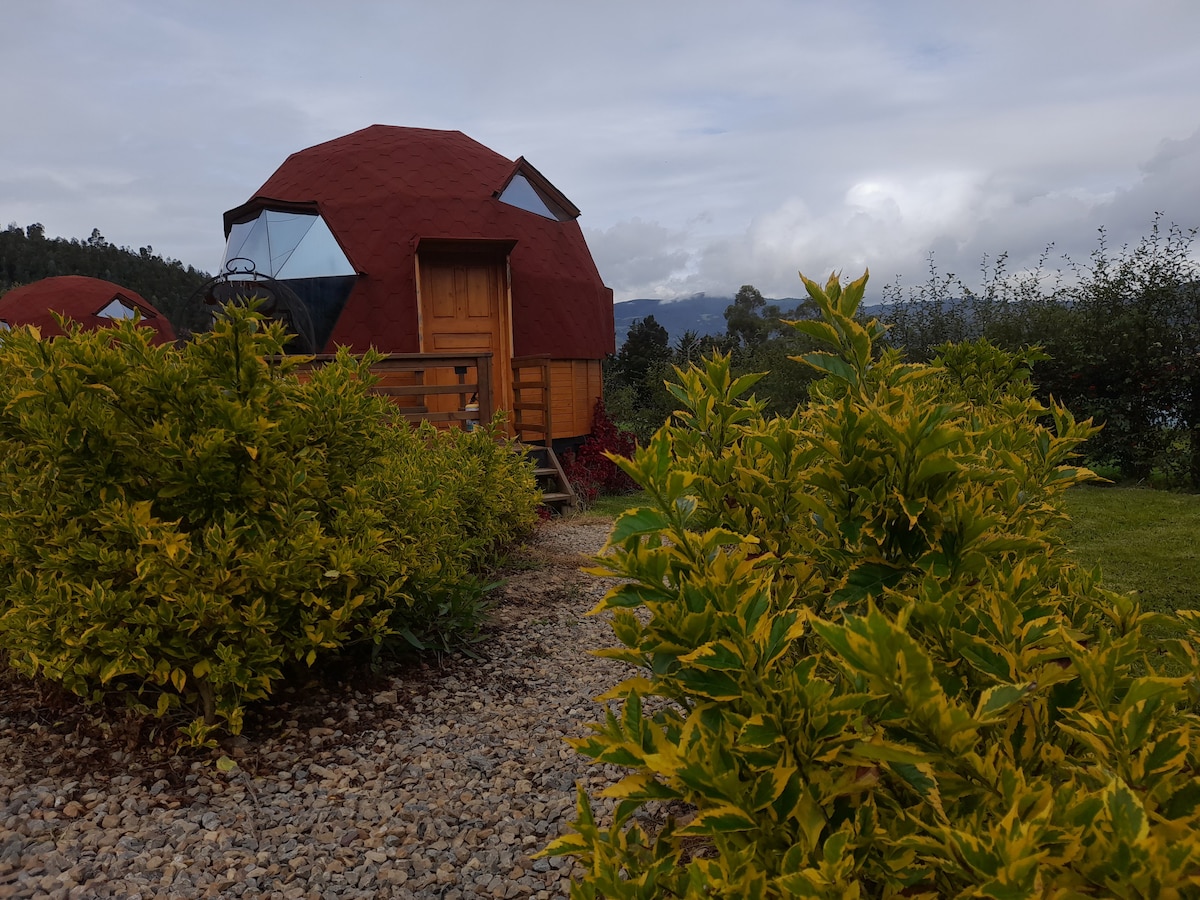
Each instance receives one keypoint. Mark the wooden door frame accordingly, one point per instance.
(499, 253)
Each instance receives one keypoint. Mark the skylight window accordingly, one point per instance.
(523, 195)
(118, 309)
(284, 246)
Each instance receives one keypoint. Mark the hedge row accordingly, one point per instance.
(866, 665)
(181, 525)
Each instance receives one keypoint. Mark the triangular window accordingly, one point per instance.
(523, 195)
(299, 251)
(285, 245)
(119, 309)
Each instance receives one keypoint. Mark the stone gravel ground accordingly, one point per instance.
(439, 782)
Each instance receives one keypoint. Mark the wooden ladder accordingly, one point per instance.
(533, 427)
(552, 480)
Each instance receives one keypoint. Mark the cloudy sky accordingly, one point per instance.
(709, 144)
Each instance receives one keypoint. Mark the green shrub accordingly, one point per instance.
(477, 471)
(180, 525)
(873, 671)
(1107, 470)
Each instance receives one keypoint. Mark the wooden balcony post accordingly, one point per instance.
(483, 378)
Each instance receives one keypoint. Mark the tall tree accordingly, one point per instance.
(646, 349)
(744, 321)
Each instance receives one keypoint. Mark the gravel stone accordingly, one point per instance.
(441, 782)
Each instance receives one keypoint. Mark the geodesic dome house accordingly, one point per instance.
(417, 241)
(92, 302)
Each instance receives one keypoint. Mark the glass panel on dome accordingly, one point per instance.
(323, 299)
(316, 256)
(285, 245)
(284, 232)
(237, 237)
(248, 246)
(116, 309)
(521, 194)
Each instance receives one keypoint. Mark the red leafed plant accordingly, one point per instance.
(589, 470)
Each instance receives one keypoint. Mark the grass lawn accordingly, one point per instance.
(609, 506)
(1143, 540)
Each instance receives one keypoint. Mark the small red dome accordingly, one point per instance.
(92, 302)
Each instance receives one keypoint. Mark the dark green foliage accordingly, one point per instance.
(28, 255)
(745, 321)
(757, 340)
(1121, 336)
(634, 378)
(645, 351)
(181, 525)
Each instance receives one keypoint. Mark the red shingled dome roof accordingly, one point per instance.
(88, 301)
(385, 189)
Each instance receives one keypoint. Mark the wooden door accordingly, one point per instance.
(465, 309)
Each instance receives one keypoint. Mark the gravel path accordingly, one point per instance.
(437, 784)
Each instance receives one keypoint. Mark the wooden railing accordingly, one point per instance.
(434, 387)
(531, 419)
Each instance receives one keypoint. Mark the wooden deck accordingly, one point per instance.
(456, 390)
(434, 387)
(546, 399)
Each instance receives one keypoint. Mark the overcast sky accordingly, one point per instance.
(708, 144)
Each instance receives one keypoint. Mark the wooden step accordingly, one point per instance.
(546, 466)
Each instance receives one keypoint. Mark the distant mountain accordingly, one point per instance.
(699, 313)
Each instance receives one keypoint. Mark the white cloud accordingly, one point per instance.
(709, 144)
(640, 257)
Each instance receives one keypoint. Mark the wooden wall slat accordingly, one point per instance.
(575, 385)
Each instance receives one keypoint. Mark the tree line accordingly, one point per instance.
(27, 255)
(1118, 335)
(1115, 338)
(756, 338)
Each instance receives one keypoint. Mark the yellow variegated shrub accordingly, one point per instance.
(875, 670)
(181, 525)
